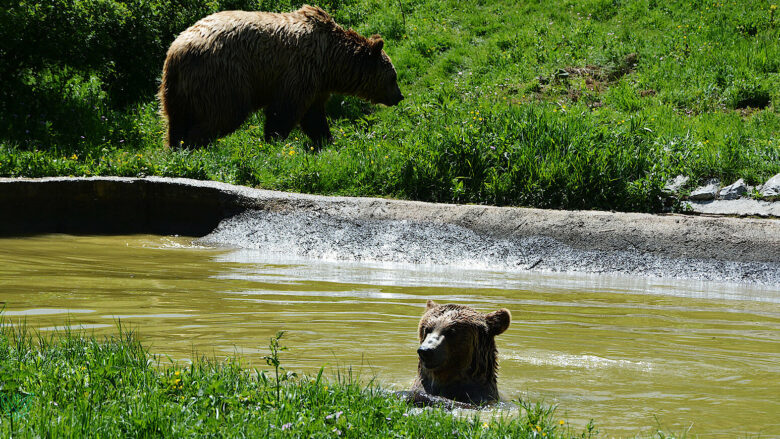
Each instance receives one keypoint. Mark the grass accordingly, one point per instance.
(591, 104)
(72, 385)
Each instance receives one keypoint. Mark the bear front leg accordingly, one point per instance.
(315, 124)
(279, 121)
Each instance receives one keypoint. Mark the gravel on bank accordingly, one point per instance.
(681, 246)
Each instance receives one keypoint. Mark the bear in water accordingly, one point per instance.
(233, 63)
(457, 356)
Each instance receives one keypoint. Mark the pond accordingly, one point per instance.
(633, 354)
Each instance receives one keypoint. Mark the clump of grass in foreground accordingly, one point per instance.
(71, 385)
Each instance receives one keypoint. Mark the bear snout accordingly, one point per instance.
(393, 100)
(431, 352)
(393, 96)
(428, 357)
(396, 99)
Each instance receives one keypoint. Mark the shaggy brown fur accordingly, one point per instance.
(232, 63)
(458, 357)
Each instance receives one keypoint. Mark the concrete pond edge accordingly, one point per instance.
(682, 246)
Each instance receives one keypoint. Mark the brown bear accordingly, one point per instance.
(232, 63)
(457, 355)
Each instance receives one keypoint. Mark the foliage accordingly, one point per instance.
(580, 105)
(71, 385)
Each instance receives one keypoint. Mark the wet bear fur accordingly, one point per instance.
(233, 63)
(457, 355)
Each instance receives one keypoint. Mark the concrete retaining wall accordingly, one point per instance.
(191, 207)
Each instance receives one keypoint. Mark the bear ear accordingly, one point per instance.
(376, 43)
(498, 321)
(430, 304)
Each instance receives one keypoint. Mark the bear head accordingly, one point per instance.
(457, 353)
(379, 82)
(387, 91)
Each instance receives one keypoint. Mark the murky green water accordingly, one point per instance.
(632, 354)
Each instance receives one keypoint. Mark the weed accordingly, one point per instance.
(273, 360)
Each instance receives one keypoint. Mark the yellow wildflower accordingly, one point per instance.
(561, 422)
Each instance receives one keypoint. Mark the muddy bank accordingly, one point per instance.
(694, 247)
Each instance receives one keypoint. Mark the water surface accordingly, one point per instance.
(629, 353)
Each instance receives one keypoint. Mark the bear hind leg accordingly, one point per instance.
(185, 130)
(198, 137)
(187, 134)
(199, 134)
(177, 132)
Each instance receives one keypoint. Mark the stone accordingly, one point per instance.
(771, 189)
(734, 190)
(740, 207)
(674, 185)
(707, 192)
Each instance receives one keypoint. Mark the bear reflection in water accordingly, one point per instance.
(458, 361)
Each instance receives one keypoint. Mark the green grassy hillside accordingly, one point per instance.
(591, 104)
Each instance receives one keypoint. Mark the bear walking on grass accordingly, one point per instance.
(232, 63)
(458, 358)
